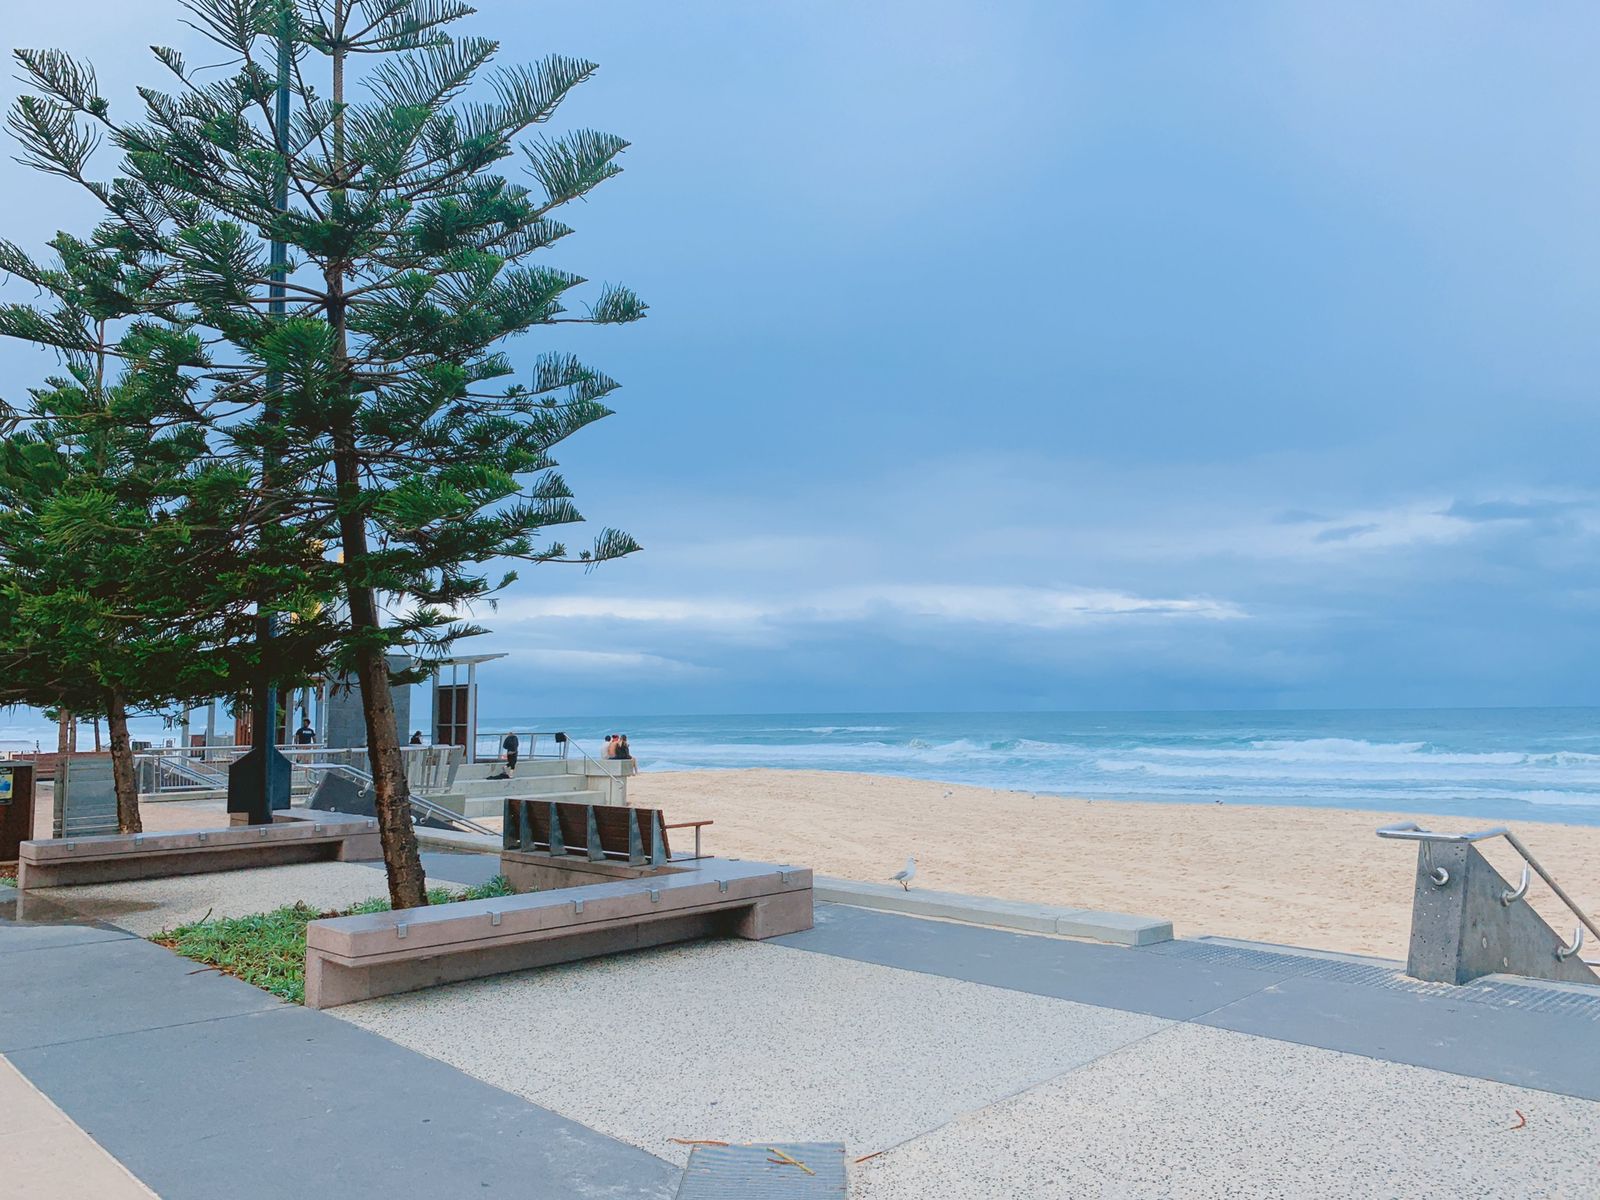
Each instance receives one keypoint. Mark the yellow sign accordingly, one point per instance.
(5, 785)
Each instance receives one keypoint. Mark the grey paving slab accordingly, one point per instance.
(294, 1103)
(1206, 1114)
(468, 870)
(96, 989)
(1552, 1049)
(15, 938)
(741, 1041)
(1109, 976)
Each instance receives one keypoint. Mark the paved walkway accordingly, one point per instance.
(36, 1138)
(203, 1087)
(968, 1062)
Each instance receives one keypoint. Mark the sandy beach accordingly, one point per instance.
(1299, 876)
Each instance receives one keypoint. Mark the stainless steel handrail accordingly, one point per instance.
(440, 813)
(419, 802)
(588, 758)
(1410, 831)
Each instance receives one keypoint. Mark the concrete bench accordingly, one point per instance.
(357, 958)
(293, 837)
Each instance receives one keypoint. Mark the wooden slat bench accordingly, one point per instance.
(356, 958)
(562, 843)
(106, 858)
(599, 832)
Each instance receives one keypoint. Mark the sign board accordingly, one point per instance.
(16, 807)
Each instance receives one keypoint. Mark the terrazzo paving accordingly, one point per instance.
(741, 1041)
(1201, 1113)
(147, 906)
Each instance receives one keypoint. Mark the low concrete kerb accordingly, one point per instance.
(1123, 929)
(457, 839)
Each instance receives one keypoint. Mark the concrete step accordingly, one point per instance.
(519, 786)
(477, 805)
(526, 769)
(1122, 928)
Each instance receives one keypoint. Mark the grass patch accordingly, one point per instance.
(8, 881)
(269, 949)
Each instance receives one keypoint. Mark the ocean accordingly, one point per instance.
(1523, 764)
(1538, 764)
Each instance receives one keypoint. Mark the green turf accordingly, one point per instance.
(8, 881)
(269, 949)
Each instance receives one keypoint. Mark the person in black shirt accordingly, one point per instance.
(305, 735)
(511, 746)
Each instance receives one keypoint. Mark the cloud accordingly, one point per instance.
(1512, 510)
(1343, 533)
(1030, 607)
(606, 662)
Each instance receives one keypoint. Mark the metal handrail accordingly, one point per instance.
(440, 813)
(418, 802)
(1410, 831)
(530, 751)
(588, 758)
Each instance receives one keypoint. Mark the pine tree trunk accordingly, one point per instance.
(122, 765)
(66, 733)
(391, 794)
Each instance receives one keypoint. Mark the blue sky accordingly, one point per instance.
(1059, 355)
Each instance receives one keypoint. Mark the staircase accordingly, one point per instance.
(474, 794)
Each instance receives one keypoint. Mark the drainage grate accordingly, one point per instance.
(748, 1172)
(1496, 993)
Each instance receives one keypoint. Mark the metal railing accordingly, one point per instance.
(178, 769)
(1410, 831)
(420, 804)
(588, 760)
(534, 744)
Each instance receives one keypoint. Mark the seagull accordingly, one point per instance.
(904, 878)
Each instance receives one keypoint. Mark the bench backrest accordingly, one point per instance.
(598, 831)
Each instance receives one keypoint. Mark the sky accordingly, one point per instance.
(1055, 355)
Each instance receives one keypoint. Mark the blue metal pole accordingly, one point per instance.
(259, 783)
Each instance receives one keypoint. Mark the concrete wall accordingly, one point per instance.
(346, 724)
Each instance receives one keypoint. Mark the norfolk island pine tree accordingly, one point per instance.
(394, 435)
(132, 568)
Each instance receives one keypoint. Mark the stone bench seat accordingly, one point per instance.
(378, 954)
(110, 858)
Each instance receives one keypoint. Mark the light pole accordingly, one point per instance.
(258, 783)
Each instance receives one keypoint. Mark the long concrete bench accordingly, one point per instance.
(357, 958)
(293, 837)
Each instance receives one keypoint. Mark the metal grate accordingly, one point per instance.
(1528, 997)
(749, 1172)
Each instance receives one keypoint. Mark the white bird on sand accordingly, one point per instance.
(904, 878)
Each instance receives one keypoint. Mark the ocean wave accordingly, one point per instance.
(826, 730)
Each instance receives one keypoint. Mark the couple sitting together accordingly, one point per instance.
(617, 746)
